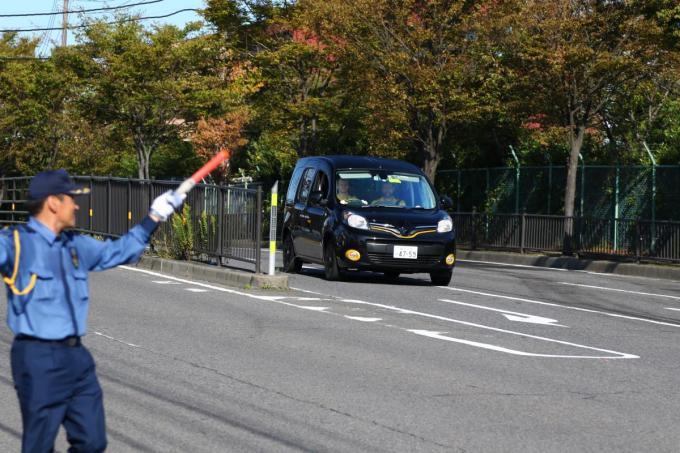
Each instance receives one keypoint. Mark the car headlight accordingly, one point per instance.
(356, 221)
(445, 225)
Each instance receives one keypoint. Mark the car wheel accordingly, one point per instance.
(391, 276)
(330, 262)
(291, 263)
(441, 278)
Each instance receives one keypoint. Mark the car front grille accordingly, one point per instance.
(382, 259)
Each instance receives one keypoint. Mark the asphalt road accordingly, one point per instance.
(505, 359)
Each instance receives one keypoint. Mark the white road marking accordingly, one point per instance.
(313, 308)
(547, 268)
(362, 319)
(441, 336)
(669, 308)
(605, 288)
(165, 282)
(621, 355)
(515, 265)
(307, 291)
(303, 299)
(511, 315)
(115, 339)
(196, 290)
(389, 307)
(567, 307)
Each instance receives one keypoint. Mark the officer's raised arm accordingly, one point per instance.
(99, 255)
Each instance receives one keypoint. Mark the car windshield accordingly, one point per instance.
(378, 188)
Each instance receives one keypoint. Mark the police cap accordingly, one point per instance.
(53, 182)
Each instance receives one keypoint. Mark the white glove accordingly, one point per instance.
(164, 205)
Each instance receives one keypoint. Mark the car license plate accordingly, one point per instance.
(401, 251)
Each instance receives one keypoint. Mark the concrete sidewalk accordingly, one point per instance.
(664, 271)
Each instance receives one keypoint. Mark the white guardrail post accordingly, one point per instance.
(272, 227)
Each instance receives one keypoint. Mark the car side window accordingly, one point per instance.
(293, 187)
(321, 184)
(306, 185)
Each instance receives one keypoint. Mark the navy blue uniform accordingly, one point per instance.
(54, 374)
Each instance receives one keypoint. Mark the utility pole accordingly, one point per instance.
(64, 24)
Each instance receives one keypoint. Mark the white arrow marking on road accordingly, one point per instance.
(566, 307)
(511, 315)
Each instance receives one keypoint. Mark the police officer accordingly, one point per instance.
(45, 268)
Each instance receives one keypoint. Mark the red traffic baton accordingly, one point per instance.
(202, 172)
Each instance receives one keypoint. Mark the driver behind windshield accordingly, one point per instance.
(388, 198)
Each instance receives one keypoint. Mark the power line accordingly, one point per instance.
(108, 8)
(45, 38)
(132, 19)
(22, 58)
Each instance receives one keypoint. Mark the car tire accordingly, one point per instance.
(441, 278)
(330, 262)
(291, 263)
(391, 276)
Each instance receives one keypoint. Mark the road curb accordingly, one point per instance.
(669, 272)
(213, 274)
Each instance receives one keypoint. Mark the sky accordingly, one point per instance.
(52, 38)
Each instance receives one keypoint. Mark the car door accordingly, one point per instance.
(317, 212)
(301, 232)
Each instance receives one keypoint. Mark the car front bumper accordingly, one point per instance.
(377, 251)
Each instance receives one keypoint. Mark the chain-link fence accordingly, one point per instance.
(614, 192)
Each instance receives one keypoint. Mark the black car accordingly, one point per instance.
(349, 212)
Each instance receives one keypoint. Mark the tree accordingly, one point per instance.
(146, 85)
(225, 132)
(34, 108)
(571, 60)
(413, 63)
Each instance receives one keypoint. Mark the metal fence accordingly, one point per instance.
(226, 222)
(632, 239)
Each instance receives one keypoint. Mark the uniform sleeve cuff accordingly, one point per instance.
(149, 225)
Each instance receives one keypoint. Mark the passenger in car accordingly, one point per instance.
(388, 198)
(343, 192)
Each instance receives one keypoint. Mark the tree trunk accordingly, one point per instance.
(432, 159)
(143, 157)
(576, 142)
(432, 154)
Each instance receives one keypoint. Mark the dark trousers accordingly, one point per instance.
(56, 384)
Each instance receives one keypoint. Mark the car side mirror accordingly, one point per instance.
(316, 197)
(446, 202)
